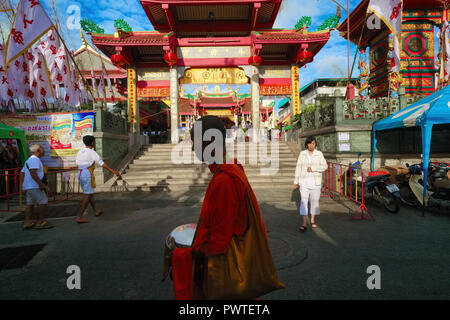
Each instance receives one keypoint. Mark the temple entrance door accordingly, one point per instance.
(222, 92)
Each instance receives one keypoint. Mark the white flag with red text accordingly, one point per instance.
(5, 5)
(5, 89)
(41, 76)
(49, 46)
(108, 82)
(101, 87)
(444, 64)
(391, 12)
(74, 91)
(83, 90)
(94, 84)
(63, 66)
(30, 23)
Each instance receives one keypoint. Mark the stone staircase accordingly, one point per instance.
(159, 167)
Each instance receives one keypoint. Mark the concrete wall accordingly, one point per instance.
(341, 138)
(111, 143)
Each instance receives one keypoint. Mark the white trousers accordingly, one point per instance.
(312, 196)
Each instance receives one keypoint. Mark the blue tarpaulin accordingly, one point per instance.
(434, 109)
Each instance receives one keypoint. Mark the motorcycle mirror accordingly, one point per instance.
(359, 154)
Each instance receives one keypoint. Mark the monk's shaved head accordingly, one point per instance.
(207, 131)
(209, 122)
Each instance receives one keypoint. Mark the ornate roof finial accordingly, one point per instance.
(83, 39)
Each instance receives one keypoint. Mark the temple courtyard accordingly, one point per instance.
(120, 254)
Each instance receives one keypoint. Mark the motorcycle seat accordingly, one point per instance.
(442, 184)
(376, 177)
(378, 173)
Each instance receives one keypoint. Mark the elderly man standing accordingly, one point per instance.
(34, 186)
(86, 160)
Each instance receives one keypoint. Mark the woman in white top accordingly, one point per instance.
(308, 175)
(86, 160)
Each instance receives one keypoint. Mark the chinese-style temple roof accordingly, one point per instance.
(140, 46)
(202, 18)
(358, 17)
(210, 23)
(147, 48)
(135, 38)
(88, 58)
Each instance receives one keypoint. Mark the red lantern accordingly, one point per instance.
(305, 56)
(255, 60)
(170, 58)
(118, 60)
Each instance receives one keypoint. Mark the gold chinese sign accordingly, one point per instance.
(149, 74)
(274, 71)
(153, 92)
(132, 95)
(218, 113)
(295, 90)
(214, 76)
(214, 52)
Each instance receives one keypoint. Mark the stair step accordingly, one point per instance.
(177, 161)
(154, 169)
(267, 180)
(140, 165)
(186, 187)
(196, 171)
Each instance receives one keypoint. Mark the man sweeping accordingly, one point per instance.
(86, 160)
(230, 257)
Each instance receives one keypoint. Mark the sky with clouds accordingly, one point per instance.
(330, 62)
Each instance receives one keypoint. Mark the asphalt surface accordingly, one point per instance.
(120, 253)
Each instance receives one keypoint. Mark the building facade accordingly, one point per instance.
(200, 43)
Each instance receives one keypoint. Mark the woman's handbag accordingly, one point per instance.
(247, 270)
(295, 196)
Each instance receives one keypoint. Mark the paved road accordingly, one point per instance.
(120, 253)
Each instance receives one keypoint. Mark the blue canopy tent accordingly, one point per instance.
(432, 110)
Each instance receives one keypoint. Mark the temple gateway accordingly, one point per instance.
(199, 45)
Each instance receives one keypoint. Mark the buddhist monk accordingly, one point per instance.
(223, 215)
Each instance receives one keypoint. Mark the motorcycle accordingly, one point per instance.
(400, 175)
(377, 186)
(438, 184)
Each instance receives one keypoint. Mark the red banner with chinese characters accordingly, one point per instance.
(275, 89)
(132, 95)
(296, 92)
(152, 92)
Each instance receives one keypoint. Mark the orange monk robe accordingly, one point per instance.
(223, 215)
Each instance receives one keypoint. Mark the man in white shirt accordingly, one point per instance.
(86, 160)
(32, 174)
